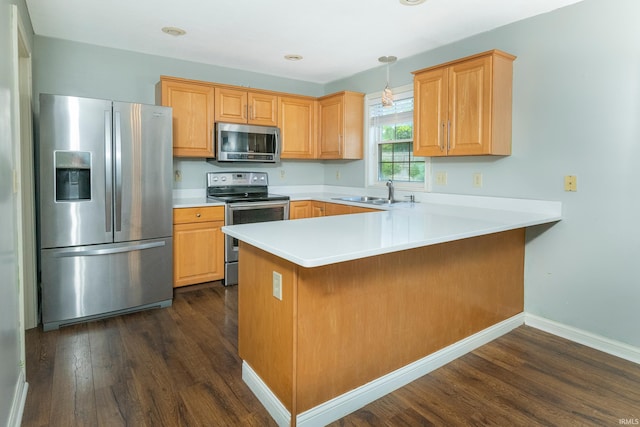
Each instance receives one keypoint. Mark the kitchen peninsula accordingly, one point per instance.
(335, 312)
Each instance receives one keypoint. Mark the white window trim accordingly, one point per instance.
(370, 151)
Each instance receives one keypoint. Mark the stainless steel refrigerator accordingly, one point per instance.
(105, 208)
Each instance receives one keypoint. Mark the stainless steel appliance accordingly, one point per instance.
(247, 200)
(105, 208)
(247, 143)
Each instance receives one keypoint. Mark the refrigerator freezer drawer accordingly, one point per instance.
(85, 282)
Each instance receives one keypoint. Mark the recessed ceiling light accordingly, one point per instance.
(293, 57)
(174, 31)
(411, 2)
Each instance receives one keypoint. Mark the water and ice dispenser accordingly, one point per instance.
(73, 175)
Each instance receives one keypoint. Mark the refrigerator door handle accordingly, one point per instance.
(108, 168)
(118, 182)
(76, 252)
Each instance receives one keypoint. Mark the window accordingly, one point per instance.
(391, 142)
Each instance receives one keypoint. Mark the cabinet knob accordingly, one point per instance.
(197, 215)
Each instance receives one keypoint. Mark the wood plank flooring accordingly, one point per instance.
(179, 367)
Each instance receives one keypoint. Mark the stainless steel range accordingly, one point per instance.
(247, 200)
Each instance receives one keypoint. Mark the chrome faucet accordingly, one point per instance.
(390, 185)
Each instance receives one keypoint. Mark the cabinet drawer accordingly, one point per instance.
(200, 214)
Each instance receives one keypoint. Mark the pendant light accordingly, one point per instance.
(387, 95)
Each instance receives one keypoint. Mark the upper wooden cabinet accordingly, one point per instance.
(297, 123)
(463, 107)
(192, 104)
(341, 123)
(242, 106)
(330, 127)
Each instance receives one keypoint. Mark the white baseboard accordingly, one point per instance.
(19, 400)
(276, 409)
(615, 348)
(353, 400)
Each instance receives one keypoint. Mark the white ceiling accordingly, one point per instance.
(337, 38)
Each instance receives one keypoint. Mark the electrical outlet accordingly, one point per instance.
(477, 180)
(282, 174)
(441, 178)
(277, 285)
(570, 183)
(178, 175)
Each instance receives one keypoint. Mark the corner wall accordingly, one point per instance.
(576, 111)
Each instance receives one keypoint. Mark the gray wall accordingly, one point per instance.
(70, 68)
(575, 112)
(79, 69)
(11, 334)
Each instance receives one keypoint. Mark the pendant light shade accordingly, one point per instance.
(387, 95)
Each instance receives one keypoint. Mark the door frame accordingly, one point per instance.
(24, 178)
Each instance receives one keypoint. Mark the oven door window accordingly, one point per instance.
(257, 214)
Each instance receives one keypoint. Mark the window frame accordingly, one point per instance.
(371, 147)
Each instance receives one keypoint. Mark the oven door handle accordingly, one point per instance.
(258, 205)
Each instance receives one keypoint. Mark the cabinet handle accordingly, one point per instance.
(448, 136)
(441, 143)
(197, 215)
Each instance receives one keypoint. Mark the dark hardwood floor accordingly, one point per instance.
(179, 367)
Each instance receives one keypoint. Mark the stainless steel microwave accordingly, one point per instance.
(247, 143)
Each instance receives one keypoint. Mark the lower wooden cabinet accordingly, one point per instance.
(198, 245)
(317, 209)
(300, 209)
(311, 209)
(331, 209)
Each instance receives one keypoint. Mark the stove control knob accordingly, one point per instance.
(224, 178)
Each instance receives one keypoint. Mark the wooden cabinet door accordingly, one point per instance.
(336, 209)
(341, 123)
(241, 106)
(263, 109)
(296, 119)
(231, 105)
(198, 253)
(317, 209)
(198, 245)
(463, 108)
(300, 209)
(192, 117)
(330, 117)
(470, 107)
(430, 113)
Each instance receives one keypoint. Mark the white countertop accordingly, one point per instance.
(314, 242)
